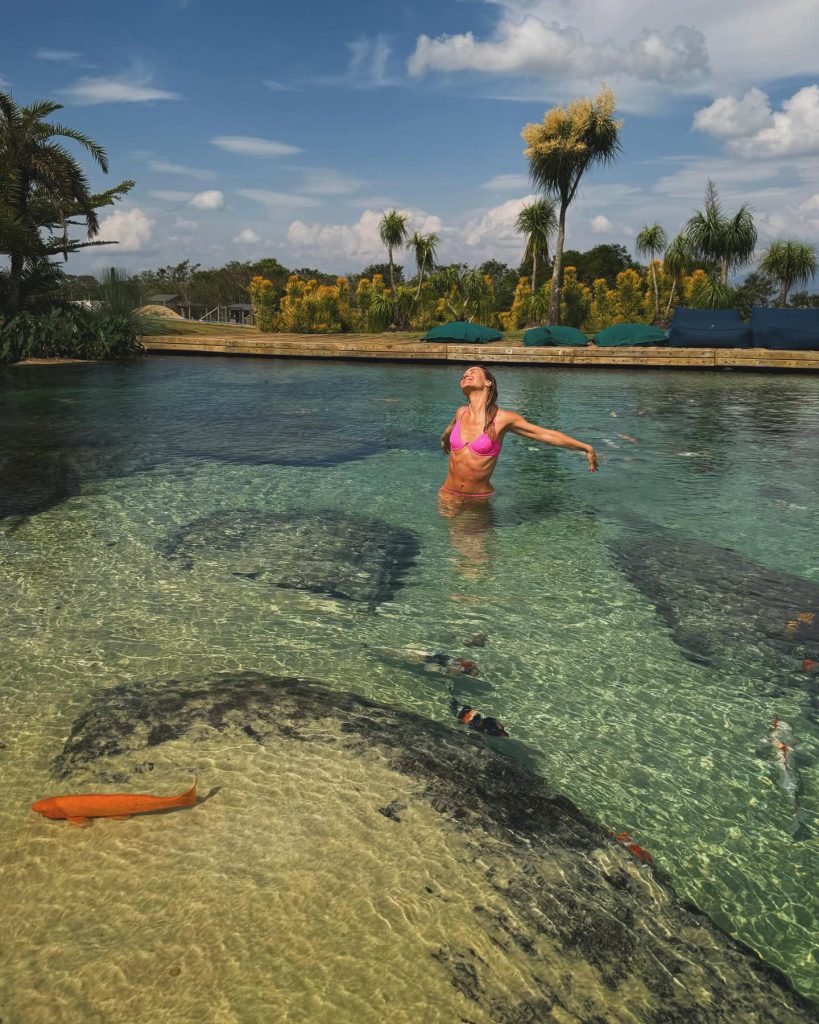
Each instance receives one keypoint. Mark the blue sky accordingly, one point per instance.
(286, 130)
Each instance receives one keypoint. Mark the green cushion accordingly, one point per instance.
(631, 334)
(537, 336)
(458, 330)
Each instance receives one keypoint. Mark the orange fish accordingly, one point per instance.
(624, 839)
(78, 809)
(808, 665)
(802, 618)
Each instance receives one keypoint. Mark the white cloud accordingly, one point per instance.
(727, 117)
(249, 145)
(181, 224)
(601, 225)
(58, 55)
(497, 225)
(506, 183)
(170, 195)
(535, 47)
(274, 86)
(753, 130)
(329, 183)
(746, 43)
(133, 87)
(211, 199)
(367, 67)
(352, 241)
(286, 200)
(166, 167)
(247, 237)
(368, 61)
(371, 203)
(131, 228)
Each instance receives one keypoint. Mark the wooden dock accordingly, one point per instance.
(398, 347)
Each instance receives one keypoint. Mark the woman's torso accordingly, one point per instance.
(474, 449)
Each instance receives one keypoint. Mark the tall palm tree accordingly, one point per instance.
(569, 141)
(42, 186)
(650, 242)
(728, 242)
(677, 261)
(425, 247)
(537, 221)
(789, 262)
(393, 231)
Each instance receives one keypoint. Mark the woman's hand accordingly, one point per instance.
(591, 455)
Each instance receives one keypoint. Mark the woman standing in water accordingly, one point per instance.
(474, 437)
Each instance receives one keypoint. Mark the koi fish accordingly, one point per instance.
(809, 665)
(628, 437)
(475, 720)
(782, 742)
(801, 618)
(624, 839)
(78, 809)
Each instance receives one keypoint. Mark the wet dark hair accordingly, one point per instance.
(491, 401)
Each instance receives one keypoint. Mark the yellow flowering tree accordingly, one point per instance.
(373, 305)
(629, 293)
(310, 308)
(603, 307)
(518, 315)
(263, 300)
(575, 299)
(695, 289)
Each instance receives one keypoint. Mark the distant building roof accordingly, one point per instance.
(161, 298)
(244, 307)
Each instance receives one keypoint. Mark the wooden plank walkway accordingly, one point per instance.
(391, 346)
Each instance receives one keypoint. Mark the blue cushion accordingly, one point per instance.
(709, 328)
(785, 328)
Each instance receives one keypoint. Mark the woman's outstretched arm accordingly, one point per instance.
(518, 425)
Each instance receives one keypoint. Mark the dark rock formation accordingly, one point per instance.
(723, 607)
(595, 927)
(322, 552)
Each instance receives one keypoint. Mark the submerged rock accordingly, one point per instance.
(35, 480)
(724, 608)
(549, 899)
(323, 552)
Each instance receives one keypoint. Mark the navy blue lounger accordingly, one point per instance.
(785, 328)
(708, 328)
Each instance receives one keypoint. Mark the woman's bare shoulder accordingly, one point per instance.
(506, 416)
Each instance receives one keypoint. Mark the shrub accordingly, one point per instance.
(311, 308)
(518, 315)
(602, 308)
(263, 300)
(575, 300)
(72, 333)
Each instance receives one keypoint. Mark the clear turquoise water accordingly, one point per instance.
(102, 464)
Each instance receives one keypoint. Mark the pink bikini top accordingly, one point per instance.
(482, 445)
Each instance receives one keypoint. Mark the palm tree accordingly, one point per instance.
(789, 262)
(426, 247)
(650, 242)
(393, 231)
(727, 242)
(677, 261)
(537, 221)
(42, 186)
(560, 150)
